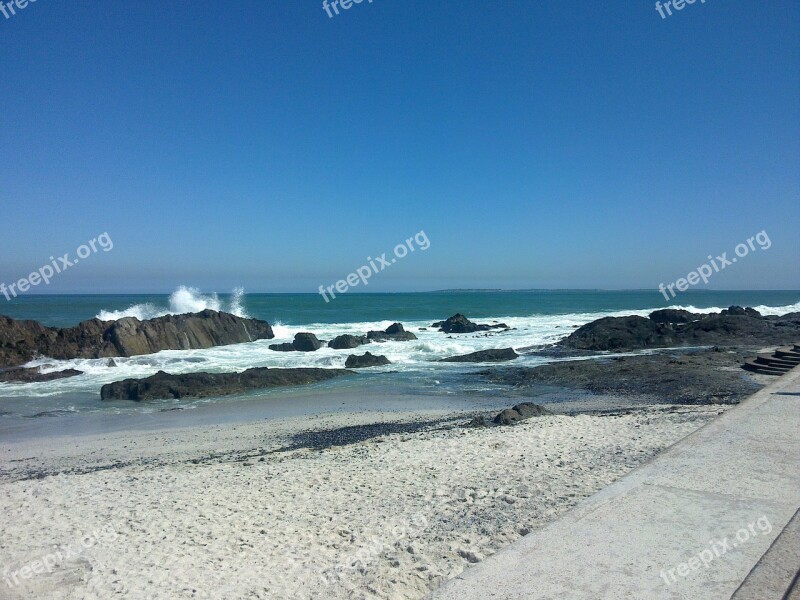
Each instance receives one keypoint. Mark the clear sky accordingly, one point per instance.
(264, 144)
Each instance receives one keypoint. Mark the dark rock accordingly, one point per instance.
(520, 412)
(458, 323)
(202, 385)
(680, 376)
(111, 362)
(347, 341)
(20, 341)
(634, 333)
(394, 333)
(484, 356)
(477, 422)
(738, 311)
(674, 315)
(618, 333)
(306, 342)
(303, 342)
(284, 347)
(205, 329)
(367, 360)
(33, 375)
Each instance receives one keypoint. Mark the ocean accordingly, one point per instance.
(414, 379)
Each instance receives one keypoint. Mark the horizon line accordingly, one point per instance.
(440, 291)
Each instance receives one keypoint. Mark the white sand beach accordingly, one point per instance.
(217, 512)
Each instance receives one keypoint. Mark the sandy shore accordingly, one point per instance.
(229, 512)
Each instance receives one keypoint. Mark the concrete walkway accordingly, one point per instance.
(695, 523)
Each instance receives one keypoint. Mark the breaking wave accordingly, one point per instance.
(183, 300)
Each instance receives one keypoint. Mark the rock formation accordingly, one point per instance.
(520, 412)
(20, 341)
(500, 355)
(458, 323)
(34, 375)
(347, 342)
(303, 342)
(367, 360)
(202, 385)
(733, 326)
(394, 332)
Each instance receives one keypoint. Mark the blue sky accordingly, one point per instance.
(264, 144)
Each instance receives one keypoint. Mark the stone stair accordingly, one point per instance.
(779, 362)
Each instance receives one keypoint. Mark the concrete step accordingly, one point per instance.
(770, 360)
(751, 365)
(786, 354)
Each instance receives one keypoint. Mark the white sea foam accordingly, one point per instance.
(182, 300)
(764, 310)
(421, 355)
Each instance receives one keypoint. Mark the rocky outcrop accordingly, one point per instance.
(458, 323)
(202, 385)
(738, 311)
(619, 333)
(735, 326)
(20, 341)
(347, 341)
(674, 315)
(500, 355)
(34, 375)
(303, 342)
(393, 333)
(520, 412)
(367, 360)
(680, 376)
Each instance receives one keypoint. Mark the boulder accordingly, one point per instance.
(306, 342)
(479, 421)
(20, 341)
(347, 341)
(394, 332)
(500, 355)
(303, 342)
(203, 385)
(458, 323)
(367, 360)
(520, 412)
